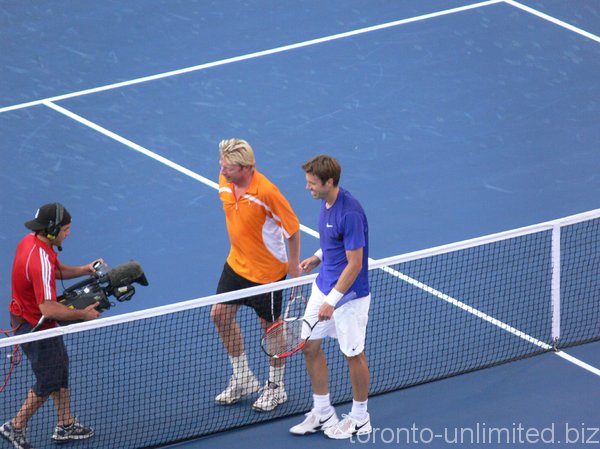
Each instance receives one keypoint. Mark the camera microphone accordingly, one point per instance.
(127, 274)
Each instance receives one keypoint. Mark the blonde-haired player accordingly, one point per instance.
(259, 221)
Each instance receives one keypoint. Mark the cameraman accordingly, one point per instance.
(35, 270)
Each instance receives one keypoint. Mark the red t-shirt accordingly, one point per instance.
(33, 279)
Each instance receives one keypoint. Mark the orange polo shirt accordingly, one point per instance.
(258, 224)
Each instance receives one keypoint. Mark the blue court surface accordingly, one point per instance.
(451, 119)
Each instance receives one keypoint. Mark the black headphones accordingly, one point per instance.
(54, 225)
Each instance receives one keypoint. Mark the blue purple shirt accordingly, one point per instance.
(343, 227)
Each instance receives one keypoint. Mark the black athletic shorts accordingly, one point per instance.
(49, 362)
(267, 306)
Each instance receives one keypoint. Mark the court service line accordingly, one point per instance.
(485, 317)
(472, 310)
(553, 20)
(402, 276)
(250, 55)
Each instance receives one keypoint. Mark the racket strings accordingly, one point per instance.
(284, 338)
(296, 308)
(296, 305)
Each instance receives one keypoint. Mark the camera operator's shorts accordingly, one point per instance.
(348, 323)
(49, 362)
(267, 306)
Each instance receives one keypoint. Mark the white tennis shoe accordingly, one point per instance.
(315, 423)
(238, 388)
(272, 396)
(348, 427)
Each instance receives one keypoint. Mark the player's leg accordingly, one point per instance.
(359, 376)
(268, 308)
(322, 416)
(224, 318)
(242, 382)
(351, 325)
(316, 366)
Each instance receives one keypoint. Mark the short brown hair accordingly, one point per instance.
(324, 167)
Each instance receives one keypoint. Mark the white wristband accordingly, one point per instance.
(319, 254)
(333, 297)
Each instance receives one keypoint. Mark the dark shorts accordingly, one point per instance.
(49, 362)
(267, 306)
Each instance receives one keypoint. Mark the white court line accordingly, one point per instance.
(250, 56)
(578, 362)
(145, 151)
(132, 145)
(485, 317)
(472, 310)
(314, 233)
(554, 20)
(298, 45)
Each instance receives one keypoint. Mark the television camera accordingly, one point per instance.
(99, 286)
(104, 283)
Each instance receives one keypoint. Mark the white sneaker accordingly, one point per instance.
(272, 396)
(314, 422)
(349, 427)
(238, 388)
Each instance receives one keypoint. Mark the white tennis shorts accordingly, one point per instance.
(348, 323)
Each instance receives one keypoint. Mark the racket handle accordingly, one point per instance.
(39, 324)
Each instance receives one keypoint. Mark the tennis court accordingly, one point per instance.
(452, 120)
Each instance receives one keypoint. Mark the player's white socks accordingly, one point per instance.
(241, 369)
(359, 410)
(322, 404)
(276, 374)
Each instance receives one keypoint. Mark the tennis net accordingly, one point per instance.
(150, 378)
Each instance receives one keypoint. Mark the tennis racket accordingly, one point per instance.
(296, 304)
(286, 337)
(289, 334)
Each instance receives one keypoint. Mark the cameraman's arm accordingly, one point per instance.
(56, 311)
(69, 271)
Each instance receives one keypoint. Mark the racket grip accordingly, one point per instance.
(39, 324)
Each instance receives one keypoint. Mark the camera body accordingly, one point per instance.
(80, 298)
(97, 288)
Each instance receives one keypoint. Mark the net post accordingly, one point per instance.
(555, 287)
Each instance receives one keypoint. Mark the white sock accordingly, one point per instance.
(276, 374)
(241, 369)
(322, 405)
(359, 410)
